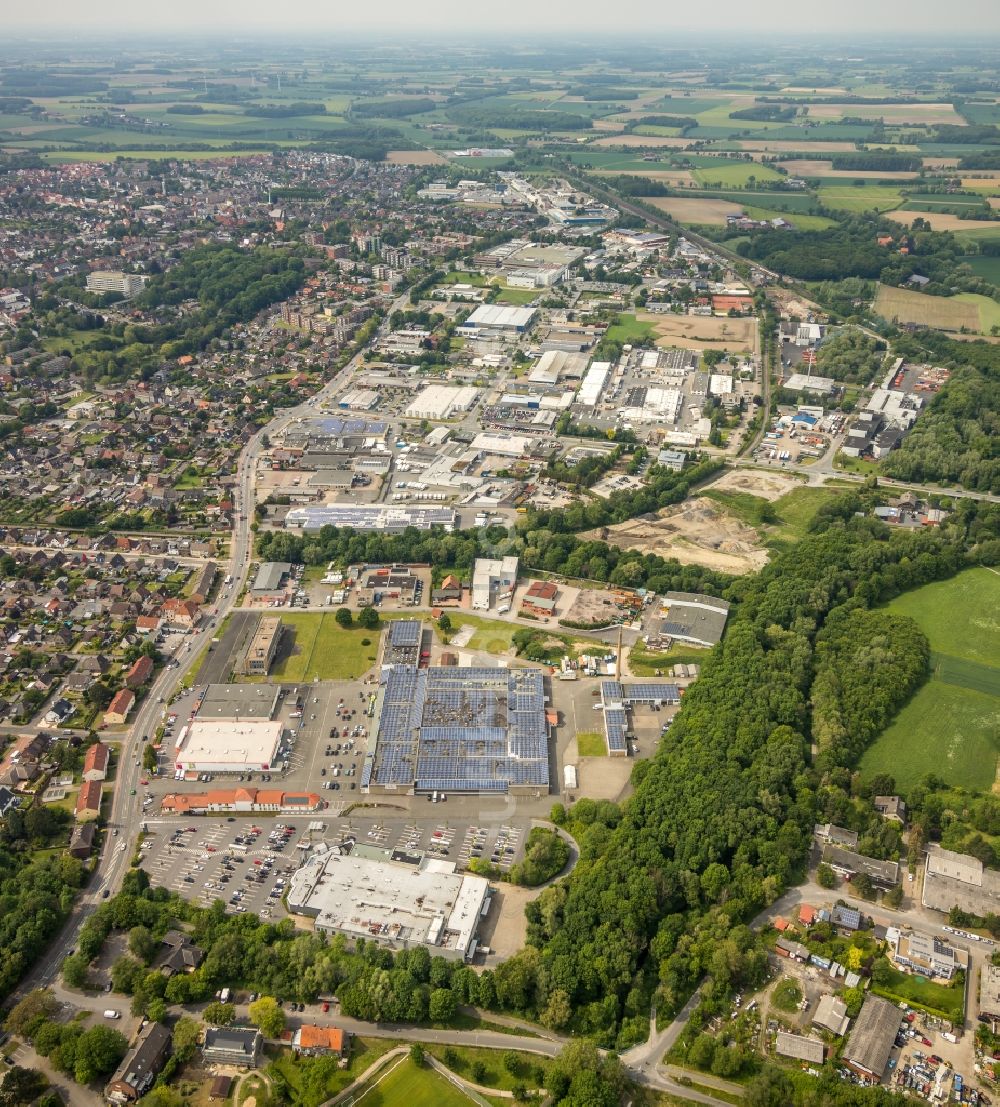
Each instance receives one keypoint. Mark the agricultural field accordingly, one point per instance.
(943, 221)
(852, 198)
(986, 267)
(315, 647)
(952, 725)
(727, 173)
(951, 313)
(929, 114)
(989, 310)
(696, 210)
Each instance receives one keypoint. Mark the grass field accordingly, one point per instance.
(322, 649)
(848, 197)
(951, 727)
(989, 310)
(986, 267)
(591, 743)
(949, 313)
(644, 663)
(492, 636)
(629, 329)
(795, 510)
(695, 209)
(460, 1059)
(408, 1085)
(944, 1000)
(734, 174)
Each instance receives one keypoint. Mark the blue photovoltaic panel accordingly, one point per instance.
(652, 693)
(615, 728)
(612, 692)
(404, 632)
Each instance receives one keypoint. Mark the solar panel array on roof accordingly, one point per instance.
(404, 632)
(460, 730)
(612, 692)
(652, 693)
(615, 728)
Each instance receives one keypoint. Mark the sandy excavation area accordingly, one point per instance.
(696, 532)
(703, 332)
(768, 486)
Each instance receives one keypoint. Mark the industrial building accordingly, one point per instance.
(493, 583)
(249, 801)
(799, 1048)
(616, 698)
(402, 901)
(496, 319)
(918, 952)
(958, 880)
(593, 383)
(441, 401)
(262, 647)
(871, 1041)
(989, 990)
(458, 729)
(236, 702)
(271, 577)
(224, 746)
(689, 617)
(848, 863)
(370, 517)
(402, 643)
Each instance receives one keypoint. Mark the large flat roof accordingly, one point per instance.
(496, 315)
(873, 1036)
(365, 517)
(428, 903)
(250, 743)
(233, 702)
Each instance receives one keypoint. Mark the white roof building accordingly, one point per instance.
(224, 746)
(593, 383)
(441, 401)
(493, 577)
(497, 317)
(402, 905)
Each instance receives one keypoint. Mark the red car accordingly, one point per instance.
(210, 849)
(326, 1006)
(257, 861)
(144, 781)
(926, 1041)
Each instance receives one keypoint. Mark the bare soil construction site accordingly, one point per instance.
(696, 532)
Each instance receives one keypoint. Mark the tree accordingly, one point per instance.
(20, 1086)
(29, 1013)
(826, 877)
(368, 618)
(343, 617)
(266, 1013)
(444, 622)
(74, 971)
(417, 1053)
(443, 1005)
(219, 1014)
(142, 944)
(771, 1088)
(98, 1051)
(185, 1037)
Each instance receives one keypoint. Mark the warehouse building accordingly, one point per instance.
(871, 1041)
(958, 880)
(496, 319)
(223, 746)
(617, 699)
(441, 401)
(271, 577)
(593, 383)
(799, 1048)
(403, 901)
(689, 617)
(848, 863)
(385, 519)
(262, 647)
(458, 729)
(989, 990)
(235, 702)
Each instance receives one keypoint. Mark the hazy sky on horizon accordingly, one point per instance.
(850, 18)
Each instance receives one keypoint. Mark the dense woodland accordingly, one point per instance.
(851, 356)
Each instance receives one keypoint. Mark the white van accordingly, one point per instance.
(112, 1014)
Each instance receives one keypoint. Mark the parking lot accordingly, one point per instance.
(246, 863)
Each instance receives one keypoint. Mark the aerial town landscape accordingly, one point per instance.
(500, 546)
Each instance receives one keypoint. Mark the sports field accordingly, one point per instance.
(314, 646)
(410, 1085)
(951, 727)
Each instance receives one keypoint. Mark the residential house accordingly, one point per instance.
(181, 614)
(313, 1040)
(179, 954)
(8, 801)
(96, 761)
(449, 594)
(830, 835)
(141, 1065)
(81, 841)
(119, 708)
(891, 807)
(88, 802)
(139, 673)
(918, 952)
(850, 864)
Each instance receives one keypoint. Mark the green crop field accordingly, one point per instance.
(322, 649)
(406, 1085)
(848, 197)
(989, 310)
(960, 616)
(986, 267)
(951, 727)
(733, 174)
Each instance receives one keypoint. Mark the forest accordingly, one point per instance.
(877, 161)
(850, 355)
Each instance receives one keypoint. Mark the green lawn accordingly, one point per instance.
(491, 636)
(518, 295)
(408, 1085)
(960, 616)
(591, 743)
(917, 990)
(795, 510)
(364, 1052)
(986, 267)
(643, 663)
(322, 649)
(629, 329)
(460, 1060)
